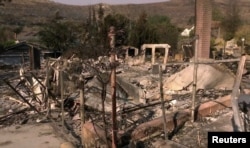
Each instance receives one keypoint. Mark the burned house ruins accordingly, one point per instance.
(130, 97)
(78, 93)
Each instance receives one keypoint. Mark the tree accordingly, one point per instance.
(232, 20)
(243, 32)
(191, 20)
(100, 12)
(142, 32)
(58, 36)
(17, 30)
(164, 31)
(217, 14)
(6, 34)
(121, 23)
(7, 37)
(97, 30)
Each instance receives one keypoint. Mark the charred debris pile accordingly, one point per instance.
(122, 101)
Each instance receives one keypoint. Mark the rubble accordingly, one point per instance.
(208, 76)
(139, 116)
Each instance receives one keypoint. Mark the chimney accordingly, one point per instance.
(203, 27)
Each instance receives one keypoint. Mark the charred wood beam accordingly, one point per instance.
(235, 94)
(33, 95)
(174, 121)
(47, 85)
(142, 106)
(11, 114)
(16, 100)
(31, 106)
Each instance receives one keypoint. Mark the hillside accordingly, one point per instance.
(32, 13)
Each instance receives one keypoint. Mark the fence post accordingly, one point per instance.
(195, 79)
(163, 104)
(62, 90)
(235, 94)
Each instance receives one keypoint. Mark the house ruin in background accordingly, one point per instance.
(155, 51)
(21, 53)
(131, 51)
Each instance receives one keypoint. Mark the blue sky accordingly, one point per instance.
(90, 2)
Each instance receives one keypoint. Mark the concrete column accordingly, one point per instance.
(153, 55)
(166, 55)
(126, 54)
(136, 51)
(143, 49)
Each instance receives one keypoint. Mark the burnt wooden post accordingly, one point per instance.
(104, 82)
(113, 85)
(31, 58)
(23, 61)
(195, 79)
(62, 90)
(47, 86)
(82, 108)
(82, 103)
(34, 58)
(163, 104)
(235, 94)
(113, 95)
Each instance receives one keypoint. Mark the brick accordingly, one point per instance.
(173, 120)
(211, 107)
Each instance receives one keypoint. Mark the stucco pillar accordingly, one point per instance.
(166, 55)
(153, 55)
(144, 53)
